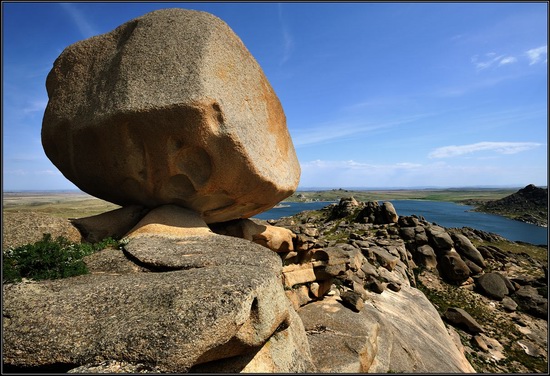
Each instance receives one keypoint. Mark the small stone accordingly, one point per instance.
(376, 286)
(320, 288)
(530, 348)
(460, 317)
(352, 300)
(479, 342)
(509, 304)
(394, 286)
(492, 285)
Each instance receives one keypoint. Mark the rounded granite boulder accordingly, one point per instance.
(170, 108)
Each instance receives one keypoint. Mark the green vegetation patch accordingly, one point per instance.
(536, 252)
(505, 331)
(450, 195)
(48, 259)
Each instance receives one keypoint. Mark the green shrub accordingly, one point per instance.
(48, 259)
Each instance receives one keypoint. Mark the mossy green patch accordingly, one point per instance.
(48, 259)
(537, 252)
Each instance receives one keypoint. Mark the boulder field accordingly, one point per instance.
(350, 296)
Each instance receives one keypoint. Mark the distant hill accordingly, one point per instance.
(529, 204)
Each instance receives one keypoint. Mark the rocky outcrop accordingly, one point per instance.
(210, 309)
(277, 239)
(529, 204)
(357, 260)
(20, 228)
(193, 136)
(352, 284)
(169, 221)
(386, 336)
(170, 108)
(287, 351)
(115, 223)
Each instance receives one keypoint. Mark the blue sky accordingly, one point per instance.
(375, 94)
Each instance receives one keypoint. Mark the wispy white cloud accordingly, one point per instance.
(33, 106)
(84, 26)
(392, 102)
(535, 55)
(351, 173)
(330, 132)
(322, 173)
(354, 165)
(335, 131)
(23, 172)
(491, 59)
(468, 87)
(288, 40)
(497, 147)
(507, 60)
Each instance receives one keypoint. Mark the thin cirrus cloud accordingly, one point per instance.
(34, 106)
(288, 41)
(86, 28)
(337, 131)
(536, 54)
(507, 60)
(497, 147)
(354, 165)
(491, 59)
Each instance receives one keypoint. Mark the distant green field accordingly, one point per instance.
(64, 205)
(78, 204)
(450, 195)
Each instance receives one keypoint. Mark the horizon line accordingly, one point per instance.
(321, 188)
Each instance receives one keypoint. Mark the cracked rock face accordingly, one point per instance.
(170, 108)
(207, 309)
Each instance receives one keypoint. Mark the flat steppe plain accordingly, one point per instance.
(456, 195)
(76, 204)
(65, 204)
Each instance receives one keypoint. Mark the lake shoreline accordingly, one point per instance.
(443, 213)
(77, 204)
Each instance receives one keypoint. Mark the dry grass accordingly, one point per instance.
(452, 195)
(57, 204)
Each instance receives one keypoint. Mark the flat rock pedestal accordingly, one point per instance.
(192, 300)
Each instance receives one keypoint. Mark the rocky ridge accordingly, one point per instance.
(529, 205)
(365, 289)
(358, 250)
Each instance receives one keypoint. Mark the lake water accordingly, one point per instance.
(446, 214)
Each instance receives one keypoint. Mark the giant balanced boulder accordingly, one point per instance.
(170, 108)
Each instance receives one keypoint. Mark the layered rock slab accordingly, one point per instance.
(394, 332)
(170, 108)
(171, 320)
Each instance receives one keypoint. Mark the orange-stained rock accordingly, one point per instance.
(170, 221)
(278, 239)
(170, 108)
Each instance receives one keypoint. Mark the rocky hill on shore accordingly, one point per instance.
(529, 205)
(457, 269)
